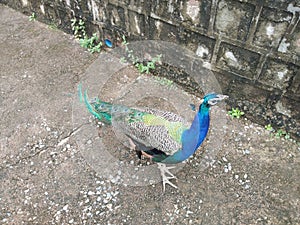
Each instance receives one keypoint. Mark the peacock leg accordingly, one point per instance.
(166, 175)
(147, 155)
(131, 144)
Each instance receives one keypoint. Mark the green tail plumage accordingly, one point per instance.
(107, 112)
(101, 110)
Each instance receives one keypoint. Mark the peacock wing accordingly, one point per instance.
(149, 128)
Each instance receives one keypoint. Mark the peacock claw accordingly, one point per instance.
(164, 171)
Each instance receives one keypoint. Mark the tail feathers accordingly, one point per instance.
(79, 88)
(90, 107)
(100, 110)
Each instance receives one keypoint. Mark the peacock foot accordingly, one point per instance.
(166, 175)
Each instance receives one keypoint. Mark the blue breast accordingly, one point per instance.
(192, 138)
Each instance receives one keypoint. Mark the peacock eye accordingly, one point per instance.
(212, 102)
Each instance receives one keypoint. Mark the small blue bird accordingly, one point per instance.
(162, 136)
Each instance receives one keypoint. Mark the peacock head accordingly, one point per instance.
(212, 99)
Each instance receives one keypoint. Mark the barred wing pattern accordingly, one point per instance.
(150, 128)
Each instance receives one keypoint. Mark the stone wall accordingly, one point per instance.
(252, 45)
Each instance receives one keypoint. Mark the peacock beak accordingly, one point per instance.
(221, 97)
(218, 98)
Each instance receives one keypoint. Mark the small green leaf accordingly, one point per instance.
(32, 17)
(235, 113)
(123, 60)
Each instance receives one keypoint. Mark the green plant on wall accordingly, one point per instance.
(78, 28)
(142, 67)
(235, 113)
(53, 26)
(269, 127)
(280, 133)
(32, 17)
(164, 81)
(92, 44)
(145, 68)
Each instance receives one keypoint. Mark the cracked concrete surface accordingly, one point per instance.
(45, 180)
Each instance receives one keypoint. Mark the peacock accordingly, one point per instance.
(164, 137)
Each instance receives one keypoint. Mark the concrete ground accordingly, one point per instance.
(46, 179)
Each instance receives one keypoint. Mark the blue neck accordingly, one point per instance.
(193, 137)
(203, 115)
